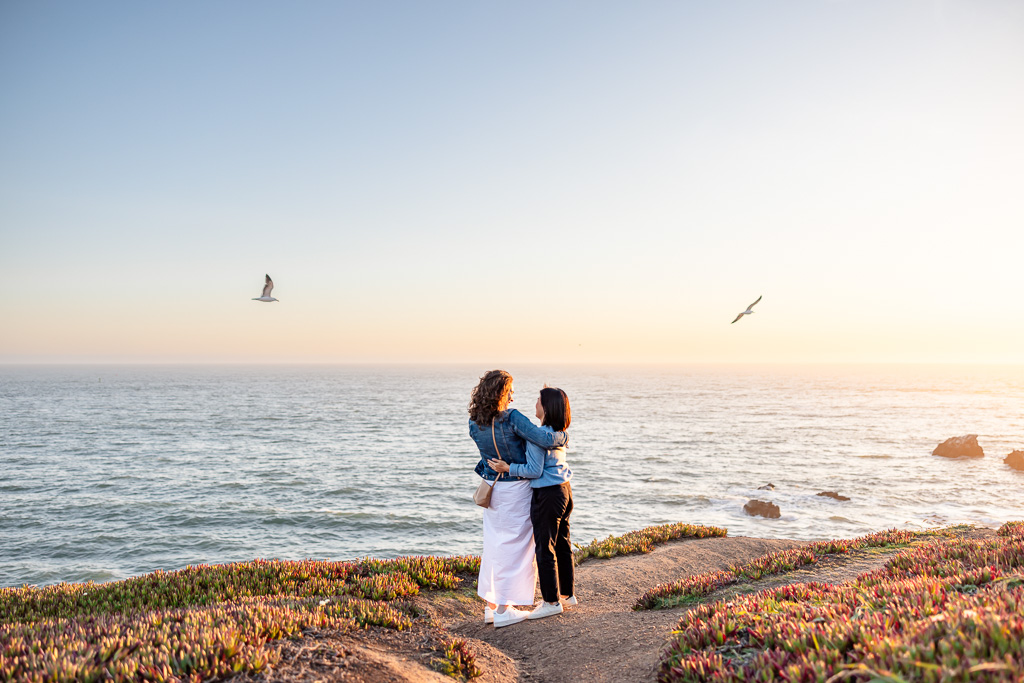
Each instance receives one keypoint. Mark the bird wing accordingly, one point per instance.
(269, 287)
(755, 303)
(739, 316)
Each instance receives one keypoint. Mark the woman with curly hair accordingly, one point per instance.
(508, 575)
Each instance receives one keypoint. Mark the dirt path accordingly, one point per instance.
(600, 641)
(604, 640)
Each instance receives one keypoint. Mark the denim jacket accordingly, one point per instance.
(512, 430)
(544, 466)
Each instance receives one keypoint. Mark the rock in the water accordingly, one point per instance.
(766, 487)
(960, 447)
(833, 494)
(1015, 460)
(762, 508)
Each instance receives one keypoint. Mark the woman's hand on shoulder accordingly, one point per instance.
(498, 465)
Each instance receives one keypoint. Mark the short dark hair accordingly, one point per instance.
(556, 408)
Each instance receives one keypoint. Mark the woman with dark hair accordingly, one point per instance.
(551, 505)
(508, 575)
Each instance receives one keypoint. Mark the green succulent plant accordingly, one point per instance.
(950, 609)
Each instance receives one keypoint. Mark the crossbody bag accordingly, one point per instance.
(482, 495)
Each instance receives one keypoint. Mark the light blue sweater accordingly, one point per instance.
(543, 467)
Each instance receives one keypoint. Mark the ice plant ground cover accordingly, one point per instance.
(459, 661)
(950, 609)
(204, 622)
(207, 622)
(644, 540)
(691, 588)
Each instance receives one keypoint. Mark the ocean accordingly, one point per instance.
(112, 471)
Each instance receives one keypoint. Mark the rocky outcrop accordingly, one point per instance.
(762, 508)
(766, 487)
(1015, 460)
(960, 447)
(833, 494)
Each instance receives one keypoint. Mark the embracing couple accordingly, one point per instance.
(530, 503)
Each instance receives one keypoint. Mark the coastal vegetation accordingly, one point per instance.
(644, 540)
(947, 610)
(459, 660)
(211, 621)
(204, 621)
(690, 588)
(944, 607)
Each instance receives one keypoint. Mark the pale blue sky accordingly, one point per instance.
(470, 181)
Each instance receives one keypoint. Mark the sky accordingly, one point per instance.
(512, 182)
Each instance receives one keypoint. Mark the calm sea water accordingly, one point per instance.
(113, 471)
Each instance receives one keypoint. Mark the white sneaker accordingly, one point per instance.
(510, 616)
(488, 615)
(570, 601)
(545, 609)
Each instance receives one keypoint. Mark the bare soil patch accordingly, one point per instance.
(603, 639)
(382, 655)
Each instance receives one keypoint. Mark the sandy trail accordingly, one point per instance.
(604, 640)
(600, 641)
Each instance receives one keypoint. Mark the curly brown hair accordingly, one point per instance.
(490, 397)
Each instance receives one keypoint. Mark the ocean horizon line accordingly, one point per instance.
(531, 363)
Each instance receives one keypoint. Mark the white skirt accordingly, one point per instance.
(508, 570)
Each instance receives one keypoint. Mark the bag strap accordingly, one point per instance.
(495, 450)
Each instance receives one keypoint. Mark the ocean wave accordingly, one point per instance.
(211, 481)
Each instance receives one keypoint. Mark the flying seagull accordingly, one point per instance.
(267, 289)
(746, 312)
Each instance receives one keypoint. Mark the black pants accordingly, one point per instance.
(549, 512)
